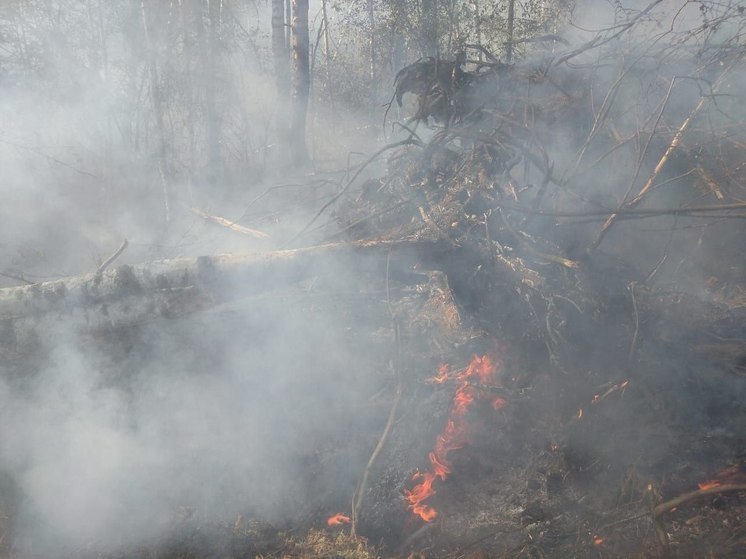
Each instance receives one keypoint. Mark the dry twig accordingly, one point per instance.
(675, 142)
(106, 263)
(232, 225)
(338, 195)
(357, 499)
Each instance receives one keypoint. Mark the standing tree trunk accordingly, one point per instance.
(327, 53)
(301, 83)
(212, 121)
(372, 55)
(282, 71)
(187, 47)
(511, 31)
(478, 26)
(429, 27)
(158, 110)
(287, 27)
(206, 41)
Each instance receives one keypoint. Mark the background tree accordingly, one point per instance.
(281, 61)
(301, 83)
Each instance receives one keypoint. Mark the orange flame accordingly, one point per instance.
(455, 434)
(338, 519)
(442, 374)
(598, 540)
(726, 476)
(499, 403)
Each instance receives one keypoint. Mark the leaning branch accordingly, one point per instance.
(338, 195)
(678, 136)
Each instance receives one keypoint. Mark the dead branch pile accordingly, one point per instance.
(539, 184)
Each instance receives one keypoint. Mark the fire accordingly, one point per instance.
(472, 382)
(499, 403)
(598, 540)
(442, 375)
(614, 388)
(728, 476)
(338, 519)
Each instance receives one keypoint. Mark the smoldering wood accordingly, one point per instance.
(671, 504)
(588, 313)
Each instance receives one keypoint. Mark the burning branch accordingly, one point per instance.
(337, 520)
(707, 490)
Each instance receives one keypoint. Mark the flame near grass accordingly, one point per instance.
(471, 383)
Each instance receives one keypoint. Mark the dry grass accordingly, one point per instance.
(318, 543)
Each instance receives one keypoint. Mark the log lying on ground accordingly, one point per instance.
(128, 295)
(170, 288)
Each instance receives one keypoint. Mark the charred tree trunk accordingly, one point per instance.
(301, 83)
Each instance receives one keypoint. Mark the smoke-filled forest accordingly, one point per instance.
(422, 279)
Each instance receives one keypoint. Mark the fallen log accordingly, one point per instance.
(169, 288)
